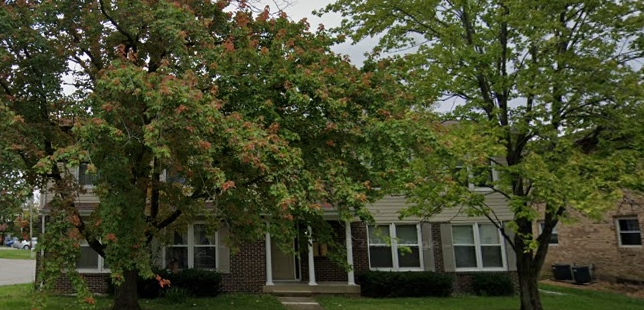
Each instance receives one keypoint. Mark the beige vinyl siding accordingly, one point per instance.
(87, 197)
(387, 210)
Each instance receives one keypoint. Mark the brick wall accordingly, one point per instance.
(360, 247)
(248, 265)
(595, 243)
(247, 269)
(248, 273)
(325, 269)
(96, 282)
(437, 245)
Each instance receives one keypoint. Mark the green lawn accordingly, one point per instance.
(18, 297)
(15, 254)
(574, 299)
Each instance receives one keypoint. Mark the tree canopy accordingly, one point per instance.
(547, 93)
(186, 109)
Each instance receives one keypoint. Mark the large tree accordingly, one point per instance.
(251, 115)
(548, 91)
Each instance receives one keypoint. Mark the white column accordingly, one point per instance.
(347, 231)
(269, 259)
(311, 263)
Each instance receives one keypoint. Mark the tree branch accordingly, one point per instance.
(169, 220)
(129, 37)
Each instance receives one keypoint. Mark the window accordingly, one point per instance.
(395, 247)
(175, 177)
(479, 179)
(85, 178)
(192, 248)
(478, 247)
(177, 252)
(482, 177)
(456, 173)
(89, 260)
(554, 237)
(629, 232)
(204, 248)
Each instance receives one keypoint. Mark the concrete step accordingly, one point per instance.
(302, 289)
(290, 293)
(300, 303)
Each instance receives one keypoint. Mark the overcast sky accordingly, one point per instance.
(297, 10)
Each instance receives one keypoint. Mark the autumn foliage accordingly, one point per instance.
(185, 110)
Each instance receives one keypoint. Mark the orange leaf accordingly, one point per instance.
(204, 145)
(181, 108)
(227, 185)
(110, 237)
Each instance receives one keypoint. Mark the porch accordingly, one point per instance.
(289, 274)
(304, 289)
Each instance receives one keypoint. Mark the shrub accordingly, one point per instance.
(198, 282)
(176, 295)
(146, 288)
(150, 288)
(492, 284)
(381, 284)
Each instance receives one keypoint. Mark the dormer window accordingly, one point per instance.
(84, 177)
(479, 178)
(175, 177)
(482, 177)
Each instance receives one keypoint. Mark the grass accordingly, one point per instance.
(15, 254)
(574, 299)
(18, 297)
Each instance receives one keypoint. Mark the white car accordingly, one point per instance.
(25, 244)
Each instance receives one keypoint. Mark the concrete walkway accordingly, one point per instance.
(17, 271)
(300, 303)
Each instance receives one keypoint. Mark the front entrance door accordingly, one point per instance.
(284, 264)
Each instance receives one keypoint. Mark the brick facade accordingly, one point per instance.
(248, 265)
(595, 243)
(247, 269)
(437, 245)
(96, 282)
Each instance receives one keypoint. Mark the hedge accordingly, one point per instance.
(384, 284)
(492, 284)
(197, 282)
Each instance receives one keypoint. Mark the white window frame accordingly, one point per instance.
(495, 177)
(165, 176)
(394, 247)
(554, 231)
(190, 244)
(473, 187)
(101, 261)
(619, 232)
(477, 249)
(78, 176)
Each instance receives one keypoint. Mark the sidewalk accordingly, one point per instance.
(17, 271)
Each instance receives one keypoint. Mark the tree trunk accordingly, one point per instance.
(125, 295)
(528, 273)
